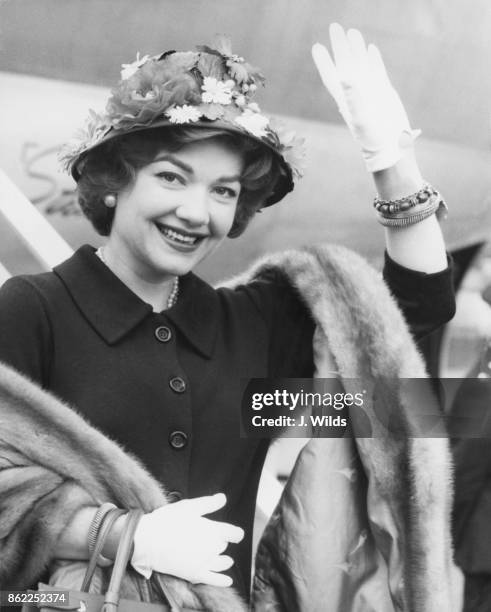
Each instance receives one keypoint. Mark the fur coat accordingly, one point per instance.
(392, 494)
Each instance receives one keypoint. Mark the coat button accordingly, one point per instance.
(163, 333)
(177, 384)
(178, 440)
(174, 496)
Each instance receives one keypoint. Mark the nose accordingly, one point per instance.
(193, 207)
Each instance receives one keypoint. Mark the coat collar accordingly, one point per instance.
(114, 310)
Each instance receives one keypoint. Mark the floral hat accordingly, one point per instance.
(207, 87)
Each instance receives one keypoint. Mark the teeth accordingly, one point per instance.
(173, 235)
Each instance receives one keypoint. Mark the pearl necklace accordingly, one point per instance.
(174, 294)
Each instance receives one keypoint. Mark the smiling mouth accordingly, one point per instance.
(178, 236)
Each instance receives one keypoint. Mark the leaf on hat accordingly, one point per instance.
(211, 65)
(184, 90)
(183, 60)
(255, 74)
(211, 111)
(166, 54)
(231, 112)
(238, 71)
(242, 72)
(223, 44)
(207, 49)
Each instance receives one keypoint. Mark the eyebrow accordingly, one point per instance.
(229, 179)
(175, 161)
(187, 168)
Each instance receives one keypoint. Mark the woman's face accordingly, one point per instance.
(177, 211)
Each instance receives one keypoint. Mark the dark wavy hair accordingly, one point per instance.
(112, 167)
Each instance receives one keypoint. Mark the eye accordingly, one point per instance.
(170, 177)
(226, 192)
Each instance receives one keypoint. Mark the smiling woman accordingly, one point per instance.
(194, 185)
(112, 166)
(157, 361)
(177, 211)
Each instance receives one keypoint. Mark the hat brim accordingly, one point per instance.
(283, 185)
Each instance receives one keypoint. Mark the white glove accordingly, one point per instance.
(176, 539)
(372, 109)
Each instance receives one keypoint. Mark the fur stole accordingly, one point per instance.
(363, 523)
(52, 462)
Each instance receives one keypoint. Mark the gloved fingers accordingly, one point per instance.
(221, 532)
(213, 579)
(206, 504)
(327, 71)
(231, 533)
(220, 546)
(358, 47)
(387, 91)
(221, 563)
(225, 531)
(329, 75)
(377, 66)
(343, 58)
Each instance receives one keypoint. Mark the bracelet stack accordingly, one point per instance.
(412, 208)
(94, 529)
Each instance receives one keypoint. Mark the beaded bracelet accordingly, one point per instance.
(95, 525)
(411, 209)
(405, 203)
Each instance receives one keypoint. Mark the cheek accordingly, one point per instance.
(225, 219)
(126, 222)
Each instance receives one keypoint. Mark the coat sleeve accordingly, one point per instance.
(288, 321)
(25, 333)
(426, 300)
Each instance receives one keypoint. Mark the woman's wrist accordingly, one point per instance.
(400, 180)
(112, 540)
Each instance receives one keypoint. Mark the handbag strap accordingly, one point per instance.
(164, 593)
(106, 525)
(123, 554)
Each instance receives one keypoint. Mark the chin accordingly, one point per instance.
(178, 264)
(178, 269)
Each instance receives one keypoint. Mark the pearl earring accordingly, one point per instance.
(110, 200)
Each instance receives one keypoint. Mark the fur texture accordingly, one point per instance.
(407, 476)
(53, 462)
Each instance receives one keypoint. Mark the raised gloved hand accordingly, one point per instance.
(176, 539)
(372, 109)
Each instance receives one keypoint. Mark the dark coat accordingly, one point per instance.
(66, 486)
(82, 334)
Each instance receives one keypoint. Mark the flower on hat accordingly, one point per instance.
(240, 100)
(217, 92)
(240, 71)
(128, 70)
(149, 95)
(212, 111)
(183, 114)
(291, 147)
(254, 106)
(156, 87)
(253, 122)
(95, 128)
